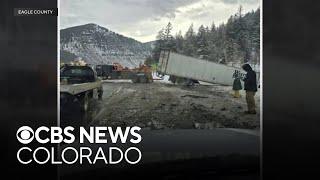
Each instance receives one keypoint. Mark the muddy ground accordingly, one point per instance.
(162, 105)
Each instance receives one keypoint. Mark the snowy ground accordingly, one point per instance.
(162, 105)
(165, 79)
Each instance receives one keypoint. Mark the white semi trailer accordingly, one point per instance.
(171, 63)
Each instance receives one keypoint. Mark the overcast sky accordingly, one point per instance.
(142, 19)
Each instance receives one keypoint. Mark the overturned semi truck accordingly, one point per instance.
(174, 64)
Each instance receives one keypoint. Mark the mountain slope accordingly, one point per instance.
(98, 45)
(150, 44)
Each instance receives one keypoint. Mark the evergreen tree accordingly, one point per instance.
(159, 44)
(168, 38)
(190, 41)
(212, 43)
(235, 42)
(179, 42)
(202, 43)
(167, 31)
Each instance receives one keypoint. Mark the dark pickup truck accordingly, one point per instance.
(79, 85)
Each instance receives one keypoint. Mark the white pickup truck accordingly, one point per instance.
(78, 86)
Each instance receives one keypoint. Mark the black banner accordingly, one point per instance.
(35, 11)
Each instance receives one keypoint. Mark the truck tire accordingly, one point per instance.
(135, 79)
(173, 79)
(143, 79)
(85, 103)
(100, 93)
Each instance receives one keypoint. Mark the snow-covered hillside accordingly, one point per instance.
(98, 45)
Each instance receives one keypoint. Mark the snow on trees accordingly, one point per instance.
(233, 43)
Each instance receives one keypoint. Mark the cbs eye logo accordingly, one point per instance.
(25, 134)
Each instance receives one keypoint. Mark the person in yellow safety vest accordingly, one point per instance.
(236, 87)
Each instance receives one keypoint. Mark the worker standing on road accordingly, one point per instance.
(236, 87)
(250, 86)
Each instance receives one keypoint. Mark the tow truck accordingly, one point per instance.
(140, 74)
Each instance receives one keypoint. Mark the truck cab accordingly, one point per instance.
(71, 74)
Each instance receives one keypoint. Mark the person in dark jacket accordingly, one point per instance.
(250, 86)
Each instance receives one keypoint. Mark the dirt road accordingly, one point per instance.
(161, 106)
